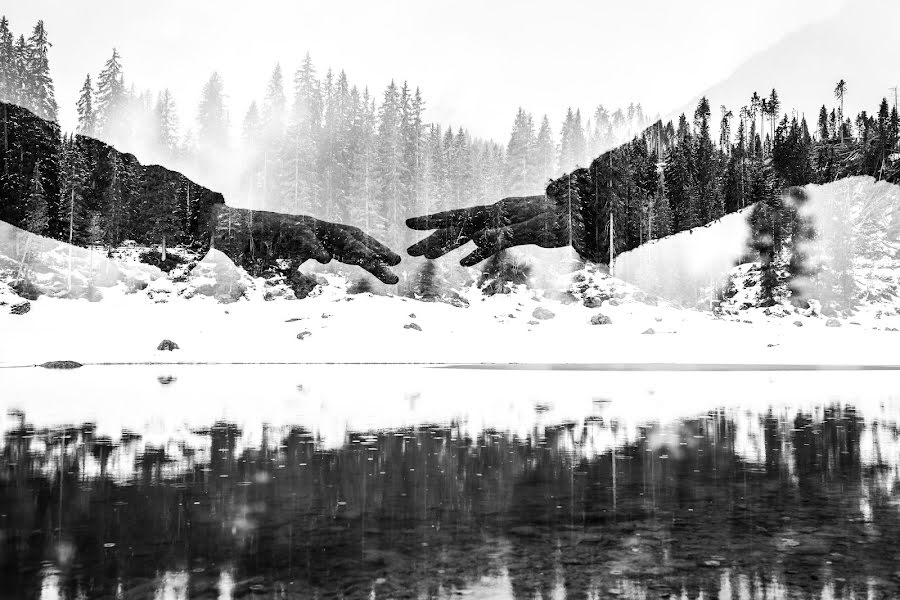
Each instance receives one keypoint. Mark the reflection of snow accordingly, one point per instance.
(265, 402)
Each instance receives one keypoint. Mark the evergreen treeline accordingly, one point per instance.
(672, 178)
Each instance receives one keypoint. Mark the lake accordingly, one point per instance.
(285, 481)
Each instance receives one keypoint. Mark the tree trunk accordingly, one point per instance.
(5, 142)
(163, 249)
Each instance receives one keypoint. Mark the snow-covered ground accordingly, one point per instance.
(127, 327)
(94, 309)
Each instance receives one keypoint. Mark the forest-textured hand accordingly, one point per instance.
(264, 237)
(553, 220)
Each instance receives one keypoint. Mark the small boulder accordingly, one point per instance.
(798, 323)
(412, 315)
(648, 331)
(61, 364)
(21, 308)
(613, 302)
(325, 315)
(167, 345)
(568, 298)
(832, 322)
(413, 326)
(542, 313)
(600, 319)
(303, 335)
(593, 302)
(534, 322)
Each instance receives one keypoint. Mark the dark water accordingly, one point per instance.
(810, 508)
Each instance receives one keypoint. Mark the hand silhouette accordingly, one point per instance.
(268, 236)
(510, 222)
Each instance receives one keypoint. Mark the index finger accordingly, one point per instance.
(447, 218)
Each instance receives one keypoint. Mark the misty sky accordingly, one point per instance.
(475, 61)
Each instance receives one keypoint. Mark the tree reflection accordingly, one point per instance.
(684, 509)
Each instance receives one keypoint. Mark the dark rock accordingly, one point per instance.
(61, 364)
(600, 319)
(301, 284)
(534, 322)
(291, 320)
(832, 323)
(412, 315)
(542, 313)
(413, 326)
(166, 379)
(325, 315)
(167, 345)
(798, 323)
(303, 335)
(21, 308)
(593, 301)
(648, 331)
(511, 316)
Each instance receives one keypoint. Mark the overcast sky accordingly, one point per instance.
(475, 61)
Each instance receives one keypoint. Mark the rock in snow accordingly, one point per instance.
(21, 308)
(648, 331)
(600, 319)
(832, 322)
(412, 326)
(61, 364)
(542, 313)
(167, 345)
(303, 335)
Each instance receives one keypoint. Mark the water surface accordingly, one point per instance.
(270, 482)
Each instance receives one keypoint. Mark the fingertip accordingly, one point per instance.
(390, 279)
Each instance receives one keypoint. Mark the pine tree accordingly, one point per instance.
(111, 100)
(839, 91)
(21, 94)
(520, 180)
(37, 218)
(87, 119)
(544, 154)
(39, 82)
(389, 162)
(8, 82)
(166, 125)
(572, 144)
(212, 116)
(301, 177)
(822, 128)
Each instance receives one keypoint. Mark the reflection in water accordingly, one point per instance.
(731, 504)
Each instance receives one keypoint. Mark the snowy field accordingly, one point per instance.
(370, 328)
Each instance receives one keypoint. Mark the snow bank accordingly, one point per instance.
(53, 268)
